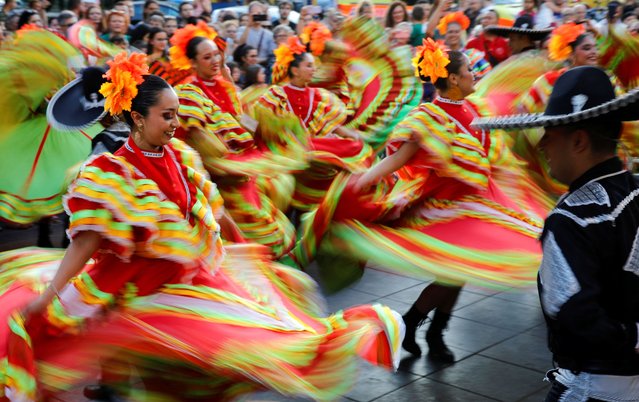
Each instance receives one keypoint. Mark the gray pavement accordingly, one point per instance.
(498, 339)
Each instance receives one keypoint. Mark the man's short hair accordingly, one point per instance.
(604, 134)
(254, 4)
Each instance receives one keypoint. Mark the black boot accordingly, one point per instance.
(413, 319)
(100, 392)
(437, 349)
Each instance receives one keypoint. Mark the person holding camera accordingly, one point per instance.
(255, 35)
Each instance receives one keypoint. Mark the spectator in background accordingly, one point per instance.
(281, 33)
(156, 20)
(235, 73)
(30, 17)
(396, 13)
(7, 8)
(202, 8)
(567, 15)
(400, 34)
(366, 9)
(66, 18)
(157, 48)
(140, 37)
(11, 24)
(78, 7)
(421, 12)
(285, 7)
(255, 35)
(54, 24)
(186, 11)
(307, 14)
(150, 6)
(473, 10)
(170, 25)
(244, 19)
(612, 20)
(581, 12)
(529, 8)
(121, 42)
(334, 21)
(40, 6)
(245, 56)
(549, 14)
(494, 47)
(227, 15)
(117, 23)
(255, 76)
(94, 15)
(628, 18)
(229, 33)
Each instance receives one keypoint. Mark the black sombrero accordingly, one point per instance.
(78, 104)
(523, 25)
(581, 93)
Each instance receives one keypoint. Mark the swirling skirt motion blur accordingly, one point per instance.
(250, 325)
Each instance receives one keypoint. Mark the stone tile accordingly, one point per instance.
(528, 296)
(491, 378)
(409, 295)
(482, 290)
(270, 396)
(398, 306)
(522, 350)
(502, 313)
(426, 390)
(374, 382)
(467, 298)
(382, 284)
(347, 298)
(538, 396)
(540, 331)
(473, 336)
(423, 365)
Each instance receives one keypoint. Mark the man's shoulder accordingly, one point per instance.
(598, 201)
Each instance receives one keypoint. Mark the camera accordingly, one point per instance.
(259, 17)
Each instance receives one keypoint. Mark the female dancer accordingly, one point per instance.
(210, 116)
(462, 209)
(157, 293)
(331, 145)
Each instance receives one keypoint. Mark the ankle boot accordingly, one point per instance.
(413, 319)
(437, 349)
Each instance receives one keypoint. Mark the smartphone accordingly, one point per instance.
(259, 17)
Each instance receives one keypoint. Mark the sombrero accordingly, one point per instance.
(524, 25)
(580, 94)
(78, 104)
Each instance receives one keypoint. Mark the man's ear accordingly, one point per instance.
(581, 141)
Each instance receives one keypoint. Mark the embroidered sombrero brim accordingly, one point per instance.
(535, 34)
(68, 109)
(623, 108)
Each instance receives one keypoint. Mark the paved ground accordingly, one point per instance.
(498, 339)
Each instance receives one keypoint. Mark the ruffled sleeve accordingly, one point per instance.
(329, 114)
(134, 217)
(445, 151)
(197, 110)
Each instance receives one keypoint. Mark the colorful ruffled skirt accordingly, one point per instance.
(249, 325)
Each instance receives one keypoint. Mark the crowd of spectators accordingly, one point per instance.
(253, 36)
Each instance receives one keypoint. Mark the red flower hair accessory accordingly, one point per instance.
(562, 36)
(124, 75)
(284, 55)
(183, 36)
(316, 34)
(457, 17)
(431, 60)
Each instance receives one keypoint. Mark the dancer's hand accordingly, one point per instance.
(364, 182)
(38, 305)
